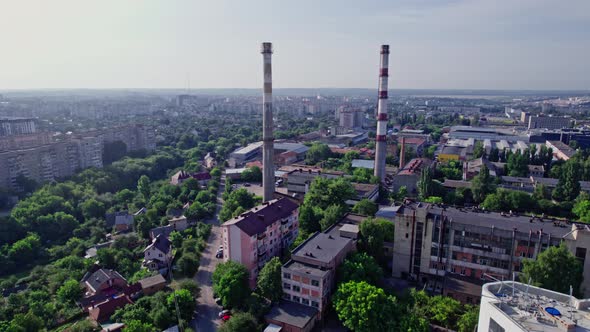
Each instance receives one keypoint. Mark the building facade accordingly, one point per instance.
(549, 122)
(433, 243)
(10, 126)
(309, 277)
(259, 234)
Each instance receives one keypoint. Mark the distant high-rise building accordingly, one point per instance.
(351, 118)
(17, 126)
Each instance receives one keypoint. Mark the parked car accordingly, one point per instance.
(218, 301)
(226, 318)
(219, 253)
(246, 184)
(223, 313)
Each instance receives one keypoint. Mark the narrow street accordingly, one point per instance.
(206, 319)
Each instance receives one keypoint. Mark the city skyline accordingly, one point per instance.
(528, 45)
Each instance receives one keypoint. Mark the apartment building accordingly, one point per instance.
(136, 137)
(17, 142)
(259, 234)
(309, 277)
(434, 243)
(51, 161)
(17, 126)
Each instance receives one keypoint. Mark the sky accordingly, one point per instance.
(435, 44)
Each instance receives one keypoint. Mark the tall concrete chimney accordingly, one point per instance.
(267, 126)
(402, 153)
(381, 137)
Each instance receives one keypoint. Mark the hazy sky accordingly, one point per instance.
(477, 44)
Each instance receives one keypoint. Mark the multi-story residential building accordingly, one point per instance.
(434, 243)
(351, 118)
(18, 142)
(309, 277)
(136, 137)
(47, 162)
(502, 305)
(17, 126)
(259, 234)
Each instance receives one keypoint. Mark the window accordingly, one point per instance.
(296, 299)
(160, 255)
(286, 285)
(287, 275)
(315, 283)
(286, 296)
(296, 288)
(495, 327)
(407, 235)
(315, 304)
(305, 301)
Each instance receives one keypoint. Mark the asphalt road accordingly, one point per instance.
(206, 319)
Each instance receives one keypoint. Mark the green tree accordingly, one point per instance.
(230, 283)
(196, 211)
(414, 323)
(316, 153)
(434, 200)
(92, 208)
(83, 326)
(188, 264)
(482, 185)
(70, 291)
(402, 193)
(26, 323)
(374, 232)
(555, 269)
(186, 303)
(360, 267)
(443, 310)
(190, 285)
(143, 186)
(468, 320)
(269, 280)
(362, 307)
(425, 184)
(215, 172)
(365, 207)
(113, 151)
(138, 326)
(240, 322)
(568, 186)
(582, 210)
(331, 215)
(252, 174)
(478, 150)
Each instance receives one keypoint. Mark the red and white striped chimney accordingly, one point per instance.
(381, 137)
(268, 170)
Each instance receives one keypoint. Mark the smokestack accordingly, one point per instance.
(267, 125)
(402, 153)
(381, 138)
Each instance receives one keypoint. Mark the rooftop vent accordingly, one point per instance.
(318, 247)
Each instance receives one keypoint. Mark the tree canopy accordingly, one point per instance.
(230, 283)
(555, 269)
(362, 307)
(269, 281)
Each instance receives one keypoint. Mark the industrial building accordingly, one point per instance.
(285, 153)
(351, 118)
(549, 122)
(409, 175)
(434, 244)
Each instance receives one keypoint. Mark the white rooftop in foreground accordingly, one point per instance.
(514, 307)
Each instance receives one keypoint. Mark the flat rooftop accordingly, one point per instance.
(292, 313)
(538, 309)
(468, 216)
(321, 247)
(305, 268)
